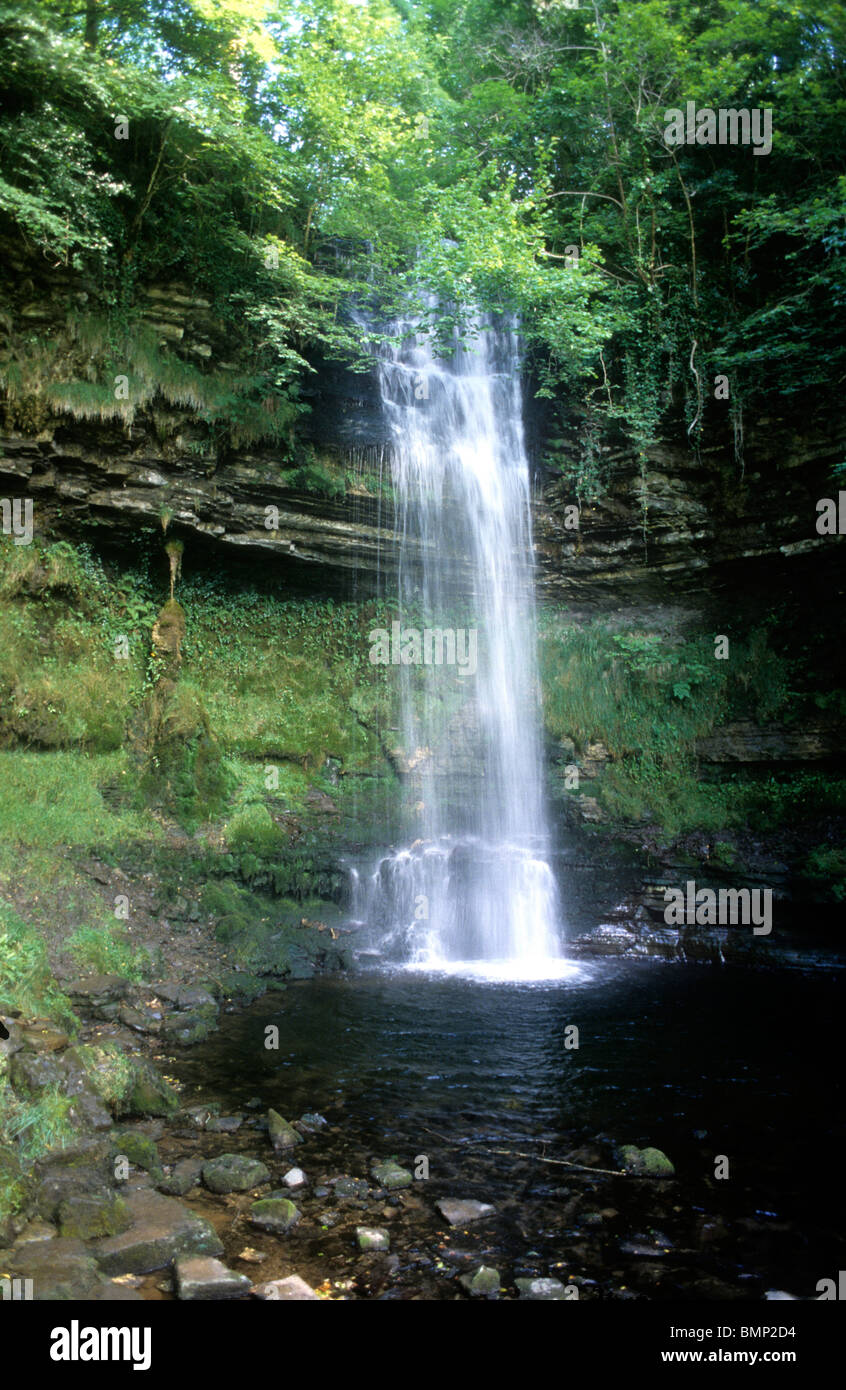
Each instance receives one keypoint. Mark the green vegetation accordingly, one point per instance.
(648, 701)
(30, 1127)
(26, 982)
(287, 161)
(107, 950)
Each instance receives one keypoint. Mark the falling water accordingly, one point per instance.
(475, 886)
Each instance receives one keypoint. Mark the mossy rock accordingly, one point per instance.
(106, 1066)
(188, 1028)
(140, 1150)
(234, 1173)
(274, 1214)
(148, 1093)
(646, 1163)
(15, 1188)
(181, 765)
(88, 1215)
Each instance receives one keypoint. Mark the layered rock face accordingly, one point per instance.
(687, 531)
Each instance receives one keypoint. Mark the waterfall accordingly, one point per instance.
(475, 886)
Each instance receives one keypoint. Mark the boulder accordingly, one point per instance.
(162, 1229)
(234, 1173)
(91, 1214)
(274, 1214)
(646, 1163)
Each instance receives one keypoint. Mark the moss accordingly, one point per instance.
(147, 1093)
(108, 950)
(140, 1150)
(253, 830)
(89, 1215)
(181, 765)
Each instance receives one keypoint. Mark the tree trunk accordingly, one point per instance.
(92, 22)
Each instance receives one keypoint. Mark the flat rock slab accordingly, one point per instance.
(292, 1289)
(98, 989)
(234, 1173)
(60, 1269)
(162, 1229)
(202, 1276)
(459, 1212)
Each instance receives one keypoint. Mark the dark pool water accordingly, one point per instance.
(697, 1061)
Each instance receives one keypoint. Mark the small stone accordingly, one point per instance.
(295, 1177)
(390, 1175)
(461, 1213)
(282, 1135)
(541, 1289)
(292, 1289)
(202, 1276)
(251, 1256)
(348, 1187)
(234, 1173)
(274, 1214)
(372, 1238)
(200, 1115)
(483, 1284)
(311, 1121)
(140, 1018)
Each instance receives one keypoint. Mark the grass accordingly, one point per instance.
(52, 800)
(107, 950)
(26, 980)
